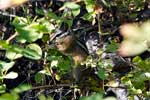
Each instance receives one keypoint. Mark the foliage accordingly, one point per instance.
(14, 94)
(29, 39)
(97, 97)
(136, 79)
(4, 74)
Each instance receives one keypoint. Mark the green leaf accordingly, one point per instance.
(144, 76)
(2, 88)
(110, 98)
(13, 55)
(29, 33)
(39, 11)
(11, 75)
(22, 88)
(4, 66)
(47, 26)
(106, 3)
(8, 96)
(54, 63)
(64, 64)
(52, 15)
(69, 22)
(33, 51)
(101, 74)
(20, 22)
(44, 72)
(136, 59)
(74, 7)
(29, 30)
(88, 16)
(42, 97)
(39, 78)
(45, 38)
(4, 44)
(92, 97)
(112, 47)
(90, 4)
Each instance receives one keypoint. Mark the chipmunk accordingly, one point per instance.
(68, 44)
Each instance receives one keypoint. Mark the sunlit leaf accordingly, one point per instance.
(130, 31)
(4, 4)
(144, 76)
(129, 48)
(20, 22)
(8, 96)
(110, 98)
(5, 66)
(136, 38)
(30, 30)
(74, 7)
(33, 51)
(29, 33)
(54, 63)
(13, 55)
(2, 88)
(136, 59)
(112, 84)
(22, 88)
(11, 75)
(47, 26)
(90, 4)
(57, 77)
(4, 44)
(92, 97)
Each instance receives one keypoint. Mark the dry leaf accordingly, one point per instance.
(4, 4)
(136, 38)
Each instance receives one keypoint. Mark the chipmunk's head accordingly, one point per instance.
(63, 40)
(64, 43)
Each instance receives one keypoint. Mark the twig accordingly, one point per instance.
(48, 69)
(52, 86)
(99, 24)
(12, 37)
(7, 14)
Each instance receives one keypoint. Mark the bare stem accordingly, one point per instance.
(12, 37)
(51, 73)
(52, 86)
(99, 23)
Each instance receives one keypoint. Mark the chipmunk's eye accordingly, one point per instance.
(59, 43)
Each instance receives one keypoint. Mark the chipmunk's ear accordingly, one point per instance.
(61, 31)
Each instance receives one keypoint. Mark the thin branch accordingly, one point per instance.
(7, 14)
(50, 71)
(51, 86)
(12, 37)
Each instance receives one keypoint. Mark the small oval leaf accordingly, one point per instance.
(33, 51)
(13, 55)
(11, 75)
